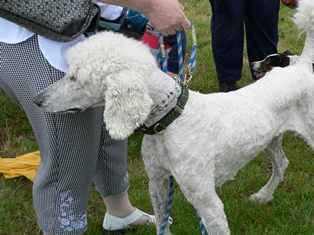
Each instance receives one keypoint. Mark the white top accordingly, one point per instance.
(53, 51)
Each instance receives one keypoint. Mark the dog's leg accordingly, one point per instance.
(159, 181)
(199, 190)
(280, 164)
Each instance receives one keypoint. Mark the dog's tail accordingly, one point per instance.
(304, 19)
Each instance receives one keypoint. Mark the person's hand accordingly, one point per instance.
(168, 16)
(173, 75)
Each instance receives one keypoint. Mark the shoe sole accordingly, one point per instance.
(116, 232)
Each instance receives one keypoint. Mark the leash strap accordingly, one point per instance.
(175, 112)
(180, 55)
(165, 221)
(192, 61)
(162, 58)
(202, 227)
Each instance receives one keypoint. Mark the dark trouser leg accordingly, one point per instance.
(227, 38)
(261, 23)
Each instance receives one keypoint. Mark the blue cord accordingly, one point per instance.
(165, 221)
(162, 64)
(162, 60)
(202, 227)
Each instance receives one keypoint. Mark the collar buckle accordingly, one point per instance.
(158, 128)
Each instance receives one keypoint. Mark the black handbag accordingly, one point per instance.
(60, 20)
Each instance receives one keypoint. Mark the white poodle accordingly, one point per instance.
(215, 135)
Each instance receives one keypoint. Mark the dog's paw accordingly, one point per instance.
(261, 198)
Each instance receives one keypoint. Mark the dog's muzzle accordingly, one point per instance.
(38, 101)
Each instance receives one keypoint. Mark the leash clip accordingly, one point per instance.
(187, 79)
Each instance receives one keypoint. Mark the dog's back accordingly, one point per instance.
(248, 118)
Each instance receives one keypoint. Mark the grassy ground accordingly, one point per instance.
(290, 213)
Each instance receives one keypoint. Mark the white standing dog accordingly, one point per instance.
(215, 135)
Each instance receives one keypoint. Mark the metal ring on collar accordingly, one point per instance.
(159, 125)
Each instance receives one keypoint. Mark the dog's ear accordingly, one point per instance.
(283, 61)
(127, 104)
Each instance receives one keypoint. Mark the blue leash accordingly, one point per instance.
(162, 63)
(165, 220)
(192, 61)
(202, 227)
(180, 55)
(162, 58)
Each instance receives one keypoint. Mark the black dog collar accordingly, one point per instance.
(175, 112)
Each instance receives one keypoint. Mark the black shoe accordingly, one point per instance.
(228, 86)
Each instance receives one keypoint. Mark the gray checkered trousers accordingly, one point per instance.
(75, 149)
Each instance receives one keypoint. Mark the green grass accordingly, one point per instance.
(290, 213)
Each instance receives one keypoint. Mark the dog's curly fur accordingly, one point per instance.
(214, 137)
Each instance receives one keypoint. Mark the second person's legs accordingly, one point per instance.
(227, 38)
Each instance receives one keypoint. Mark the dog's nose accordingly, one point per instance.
(37, 100)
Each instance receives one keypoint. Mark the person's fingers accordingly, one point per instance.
(176, 19)
(186, 24)
(173, 30)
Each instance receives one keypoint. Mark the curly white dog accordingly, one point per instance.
(215, 135)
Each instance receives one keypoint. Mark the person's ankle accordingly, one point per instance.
(121, 213)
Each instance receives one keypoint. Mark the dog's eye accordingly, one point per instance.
(73, 79)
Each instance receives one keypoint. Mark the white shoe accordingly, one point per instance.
(115, 225)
